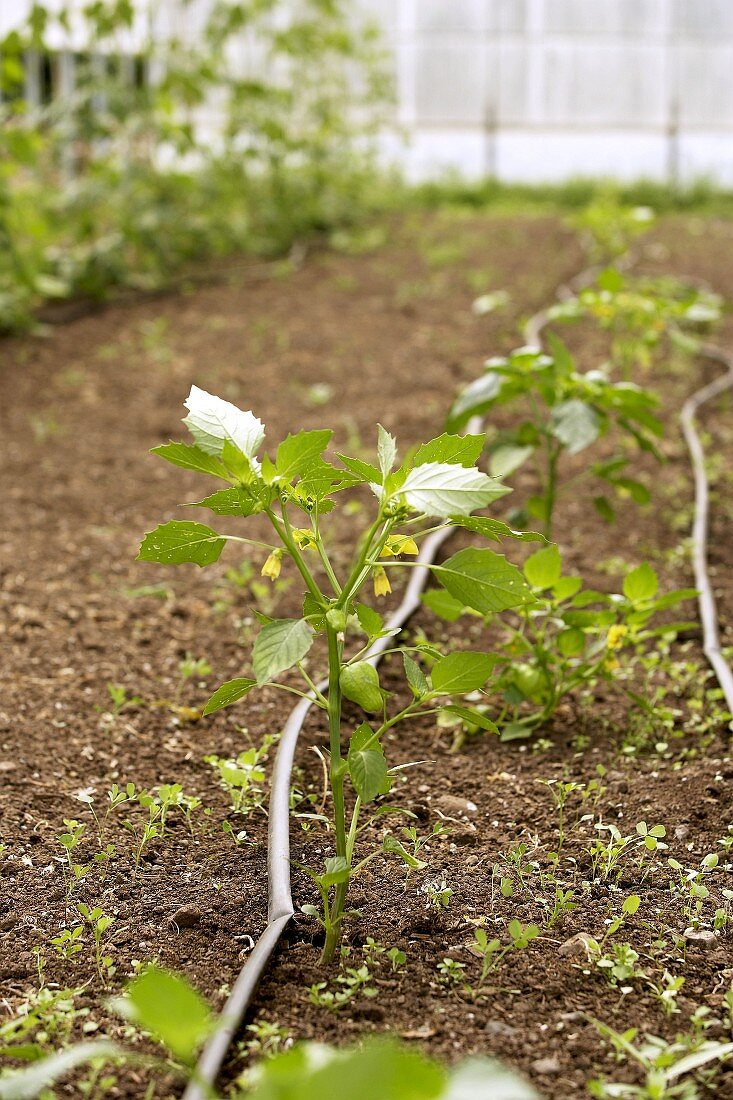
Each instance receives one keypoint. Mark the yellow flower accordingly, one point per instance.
(304, 538)
(382, 587)
(399, 544)
(272, 566)
(616, 635)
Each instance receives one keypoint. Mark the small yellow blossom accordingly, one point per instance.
(616, 635)
(304, 538)
(273, 565)
(382, 587)
(399, 544)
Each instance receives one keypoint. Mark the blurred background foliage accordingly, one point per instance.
(111, 174)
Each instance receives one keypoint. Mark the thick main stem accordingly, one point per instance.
(338, 771)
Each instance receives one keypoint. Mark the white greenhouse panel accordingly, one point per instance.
(623, 18)
(529, 89)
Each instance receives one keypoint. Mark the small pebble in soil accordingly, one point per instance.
(188, 916)
(453, 806)
(546, 1066)
(702, 938)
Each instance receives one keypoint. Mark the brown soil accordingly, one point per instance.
(392, 336)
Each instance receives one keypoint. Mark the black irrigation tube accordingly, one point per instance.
(280, 910)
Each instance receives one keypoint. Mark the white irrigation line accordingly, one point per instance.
(706, 596)
(280, 901)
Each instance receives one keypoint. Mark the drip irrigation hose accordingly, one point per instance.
(280, 902)
(706, 596)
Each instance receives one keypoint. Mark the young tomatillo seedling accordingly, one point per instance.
(439, 480)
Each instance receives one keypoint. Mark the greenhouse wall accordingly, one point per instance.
(538, 90)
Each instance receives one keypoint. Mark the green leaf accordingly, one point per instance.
(376, 1070)
(415, 676)
(336, 870)
(494, 529)
(508, 458)
(461, 672)
(472, 717)
(386, 450)
(575, 424)
(604, 508)
(298, 452)
(442, 604)
(213, 421)
(230, 692)
(171, 1009)
(463, 450)
(443, 489)
(483, 580)
(30, 1083)
(280, 645)
(370, 621)
(562, 358)
(367, 767)
(236, 501)
(190, 457)
(476, 398)
(392, 844)
(360, 683)
(181, 541)
(364, 471)
(544, 568)
(641, 584)
(571, 642)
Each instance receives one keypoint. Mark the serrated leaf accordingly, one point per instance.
(212, 421)
(483, 580)
(359, 682)
(575, 424)
(190, 457)
(180, 541)
(462, 672)
(462, 450)
(386, 450)
(370, 621)
(544, 568)
(230, 692)
(494, 529)
(298, 452)
(443, 489)
(336, 870)
(367, 767)
(280, 645)
(415, 676)
(363, 471)
(641, 584)
(236, 501)
(313, 611)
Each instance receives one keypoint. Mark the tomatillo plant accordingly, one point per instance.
(563, 412)
(294, 492)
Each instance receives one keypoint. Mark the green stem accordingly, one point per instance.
(551, 491)
(337, 772)
(286, 534)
